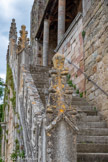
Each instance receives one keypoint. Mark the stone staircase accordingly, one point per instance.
(40, 75)
(92, 140)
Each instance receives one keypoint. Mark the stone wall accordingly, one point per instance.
(96, 53)
(10, 128)
(37, 12)
(37, 53)
(72, 48)
(30, 110)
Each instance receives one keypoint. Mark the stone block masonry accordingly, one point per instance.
(96, 53)
(44, 107)
(72, 48)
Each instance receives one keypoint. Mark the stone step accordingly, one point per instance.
(92, 139)
(89, 118)
(94, 131)
(91, 147)
(41, 86)
(92, 118)
(77, 98)
(40, 77)
(39, 68)
(89, 110)
(79, 103)
(101, 124)
(86, 107)
(92, 157)
(41, 81)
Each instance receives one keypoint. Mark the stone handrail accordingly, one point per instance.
(31, 110)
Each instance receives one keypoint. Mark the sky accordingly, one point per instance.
(9, 9)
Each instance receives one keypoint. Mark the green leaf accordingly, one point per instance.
(74, 86)
(68, 77)
(81, 94)
(77, 91)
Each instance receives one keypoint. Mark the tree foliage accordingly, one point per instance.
(1, 87)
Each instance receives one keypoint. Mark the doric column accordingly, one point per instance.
(61, 19)
(45, 42)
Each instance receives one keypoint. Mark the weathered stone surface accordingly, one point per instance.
(47, 119)
(97, 59)
(61, 133)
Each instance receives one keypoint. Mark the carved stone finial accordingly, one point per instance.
(13, 30)
(58, 61)
(58, 82)
(23, 40)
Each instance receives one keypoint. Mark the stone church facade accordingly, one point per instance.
(56, 98)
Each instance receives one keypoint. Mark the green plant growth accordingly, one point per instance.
(83, 34)
(76, 75)
(6, 140)
(17, 125)
(1, 88)
(16, 141)
(1, 160)
(68, 77)
(6, 131)
(1, 113)
(18, 116)
(17, 152)
(95, 109)
(14, 155)
(74, 87)
(81, 94)
(1, 110)
(10, 82)
(77, 91)
(69, 81)
(22, 155)
(18, 131)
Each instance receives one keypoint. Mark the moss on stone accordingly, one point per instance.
(10, 82)
(17, 152)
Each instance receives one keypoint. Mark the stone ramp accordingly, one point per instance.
(40, 75)
(92, 139)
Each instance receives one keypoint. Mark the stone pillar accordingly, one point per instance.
(61, 19)
(61, 129)
(64, 143)
(45, 42)
(37, 52)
